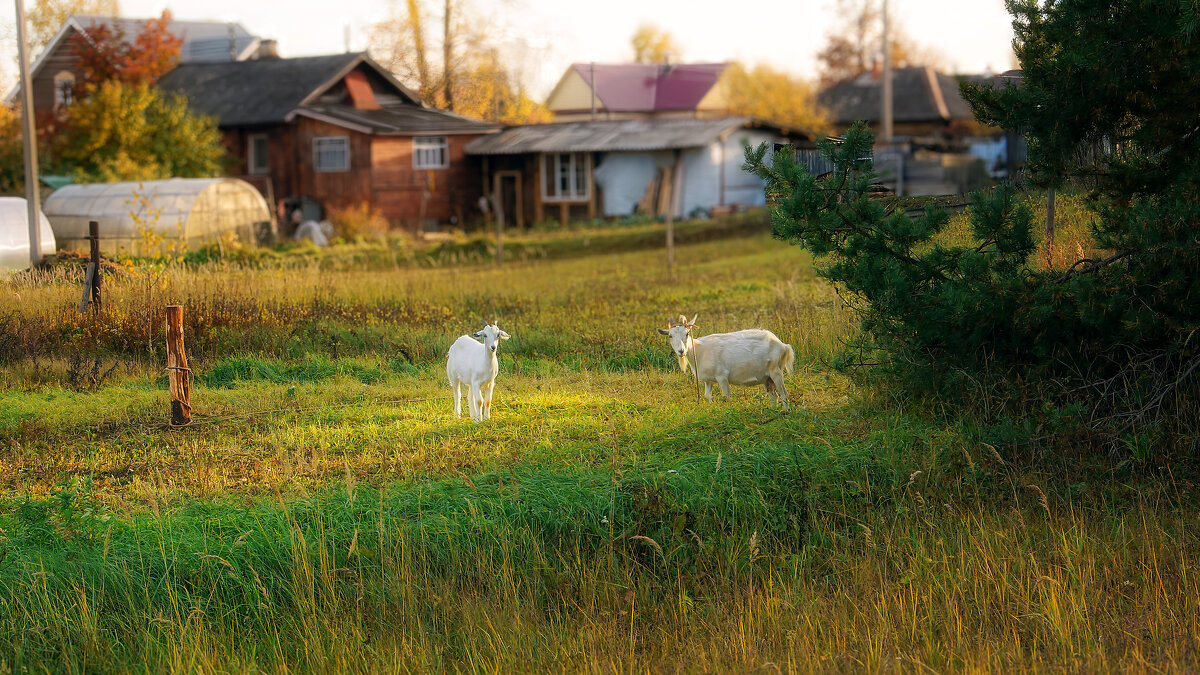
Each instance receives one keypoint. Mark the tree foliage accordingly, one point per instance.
(123, 131)
(12, 168)
(854, 46)
(46, 17)
(106, 53)
(771, 94)
(473, 75)
(1110, 103)
(651, 44)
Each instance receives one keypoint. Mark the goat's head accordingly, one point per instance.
(491, 336)
(680, 333)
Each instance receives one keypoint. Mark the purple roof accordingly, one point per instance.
(640, 87)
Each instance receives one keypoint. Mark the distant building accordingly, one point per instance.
(600, 91)
(610, 168)
(925, 103)
(339, 130)
(56, 69)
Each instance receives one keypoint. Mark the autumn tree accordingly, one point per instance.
(132, 131)
(461, 69)
(654, 45)
(774, 95)
(46, 17)
(854, 46)
(106, 53)
(12, 170)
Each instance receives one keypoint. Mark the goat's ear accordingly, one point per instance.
(663, 332)
(478, 334)
(503, 335)
(693, 321)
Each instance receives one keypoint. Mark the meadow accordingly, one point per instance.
(326, 513)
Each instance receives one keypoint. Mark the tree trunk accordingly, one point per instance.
(447, 58)
(1048, 244)
(414, 18)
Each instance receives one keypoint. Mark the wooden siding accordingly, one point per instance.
(407, 196)
(62, 58)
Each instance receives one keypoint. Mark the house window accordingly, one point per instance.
(257, 155)
(565, 177)
(331, 153)
(431, 152)
(64, 88)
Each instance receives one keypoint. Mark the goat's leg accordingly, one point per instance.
(781, 392)
(724, 383)
(473, 393)
(487, 399)
(708, 391)
(456, 390)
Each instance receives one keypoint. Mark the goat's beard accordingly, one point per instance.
(683, 363)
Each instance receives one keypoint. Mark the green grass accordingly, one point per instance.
(326, 513)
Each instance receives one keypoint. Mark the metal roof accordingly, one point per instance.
(607, 136)
(646, 87)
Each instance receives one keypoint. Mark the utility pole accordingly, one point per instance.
(886, 133)
(32, 199)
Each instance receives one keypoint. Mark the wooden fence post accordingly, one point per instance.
(94, 257)
(178, 374)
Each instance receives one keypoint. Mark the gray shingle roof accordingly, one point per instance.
(604, 136)
(404, 120)
(919, 94)
(261, 91)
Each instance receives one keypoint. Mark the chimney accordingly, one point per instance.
(267, 49)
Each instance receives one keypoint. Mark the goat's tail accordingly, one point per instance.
(789, 359)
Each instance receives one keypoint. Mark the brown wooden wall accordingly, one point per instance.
(381, 173)
(407, 196)
(55, 62)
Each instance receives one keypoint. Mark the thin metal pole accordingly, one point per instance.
(886, 135)
(33, 200)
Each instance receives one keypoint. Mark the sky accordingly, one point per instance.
(548, 35)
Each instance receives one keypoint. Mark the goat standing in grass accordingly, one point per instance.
(744, 358)
(474, 365)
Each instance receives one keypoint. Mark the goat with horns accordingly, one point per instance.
(745, 358)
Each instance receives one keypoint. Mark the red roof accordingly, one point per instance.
(641, 87)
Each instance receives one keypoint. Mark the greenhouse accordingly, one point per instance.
(162, 217)
(14, 235)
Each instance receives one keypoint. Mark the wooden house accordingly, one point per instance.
(925, 103)
(340, 130)
(599, 91)
(55, 70)
(613, 168)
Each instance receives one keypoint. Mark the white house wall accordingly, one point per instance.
(624, 176)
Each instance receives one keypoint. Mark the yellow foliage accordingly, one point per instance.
(774, 95)
(651, 44)
(358, 221)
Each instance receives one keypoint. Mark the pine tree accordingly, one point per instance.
(1110, 105)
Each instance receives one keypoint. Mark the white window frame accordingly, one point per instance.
(252, 157)
(579, 165)
(432, 144)
(344, 141)
(64, 76)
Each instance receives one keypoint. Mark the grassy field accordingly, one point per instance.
(325, 512)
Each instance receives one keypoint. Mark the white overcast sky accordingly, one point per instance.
(970, 35)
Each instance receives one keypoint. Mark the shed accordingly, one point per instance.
(14, 234)
(655, 166)
(161, 216)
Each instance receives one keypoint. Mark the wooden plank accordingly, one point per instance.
(178, 375)
(591, 186)
(539, 208)
(87, 287)
(94, 264)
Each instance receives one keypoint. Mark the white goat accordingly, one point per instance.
(474, 365)
(745, 358)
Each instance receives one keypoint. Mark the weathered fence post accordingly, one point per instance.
(94, 237)
(178, 374)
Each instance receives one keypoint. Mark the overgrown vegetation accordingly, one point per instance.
(1108, 347)
(326, 513)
